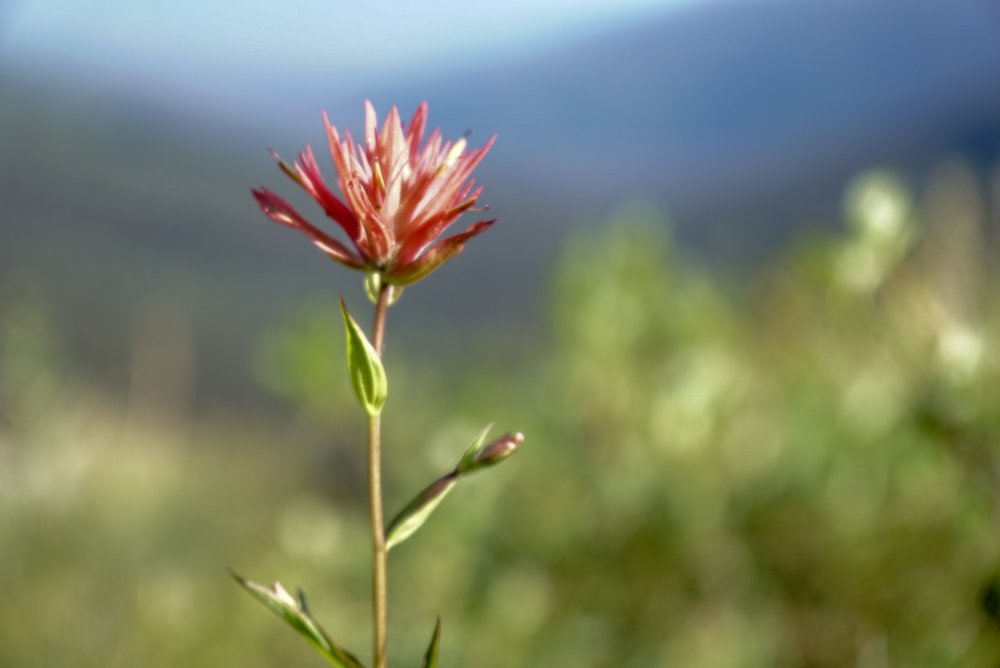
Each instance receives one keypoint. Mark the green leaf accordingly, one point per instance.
(469, 457)
(367, 373)
(477, 456)
(431, 658)
(418, 510)
(277, 599)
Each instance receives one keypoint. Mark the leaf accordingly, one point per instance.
(277, 599)
(431, 658)
(477, 456)
(413, 516)
(470, 453)
(367, 373)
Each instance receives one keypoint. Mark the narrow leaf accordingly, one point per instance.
(367, 373)
(277, 599)
(470, 452)
(431, 658)
(477, 456)
(418, 510)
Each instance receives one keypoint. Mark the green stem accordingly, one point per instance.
(379, 553)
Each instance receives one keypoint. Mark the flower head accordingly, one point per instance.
(399, 196)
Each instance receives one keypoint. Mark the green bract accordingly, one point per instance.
(297, 615)
(367, 373)
(416, 512)
(477, 456)
(431, 658)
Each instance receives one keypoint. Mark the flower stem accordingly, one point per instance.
(379, 571)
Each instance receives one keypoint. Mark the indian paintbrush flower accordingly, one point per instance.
(399, 196)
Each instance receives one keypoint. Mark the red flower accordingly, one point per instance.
(399, 196)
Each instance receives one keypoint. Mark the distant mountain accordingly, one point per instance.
(741, 119)
(742, 111)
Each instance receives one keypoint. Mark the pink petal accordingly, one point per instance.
(371, 125)
(416, 241)
(280, 211)
(378, 238)
(442, 191)
(392, 141)
(311, 179)
(446, 249)
(415, 129)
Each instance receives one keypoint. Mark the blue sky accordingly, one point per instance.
(371, 36)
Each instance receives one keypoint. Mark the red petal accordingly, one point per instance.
(415, 130)
(371, 126)
(372, 240)
(415, 242)
(443, 192)
(312, 181)
(446, 249)
(280, 211)
(378, 238)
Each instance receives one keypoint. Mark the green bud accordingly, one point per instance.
(499, 450)
(367, 373)
(373, 284)
(492, 454)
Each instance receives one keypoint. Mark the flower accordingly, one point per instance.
(398, 197)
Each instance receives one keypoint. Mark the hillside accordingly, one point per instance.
(741, 120)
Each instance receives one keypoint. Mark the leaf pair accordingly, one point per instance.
(477, 457)
(296, 613)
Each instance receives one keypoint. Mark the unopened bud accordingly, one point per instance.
(497, 451)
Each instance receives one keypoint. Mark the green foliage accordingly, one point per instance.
(477, 456)
(419, 510)
(431, 657)
(802, 472)
(296, 614)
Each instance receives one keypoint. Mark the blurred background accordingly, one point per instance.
(741, 299)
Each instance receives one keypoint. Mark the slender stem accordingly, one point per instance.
(379, 570)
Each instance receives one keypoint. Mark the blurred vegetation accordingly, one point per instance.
(802, 471)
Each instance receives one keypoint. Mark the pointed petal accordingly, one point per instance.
(393, 155)
(429, 157)
(443, 189)
(311, 179)
(280, 211)
(416, 241)
(415, 129)
(446, 249)
(392, 141)
(378, 237)
(340, 151)
(371, 127)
